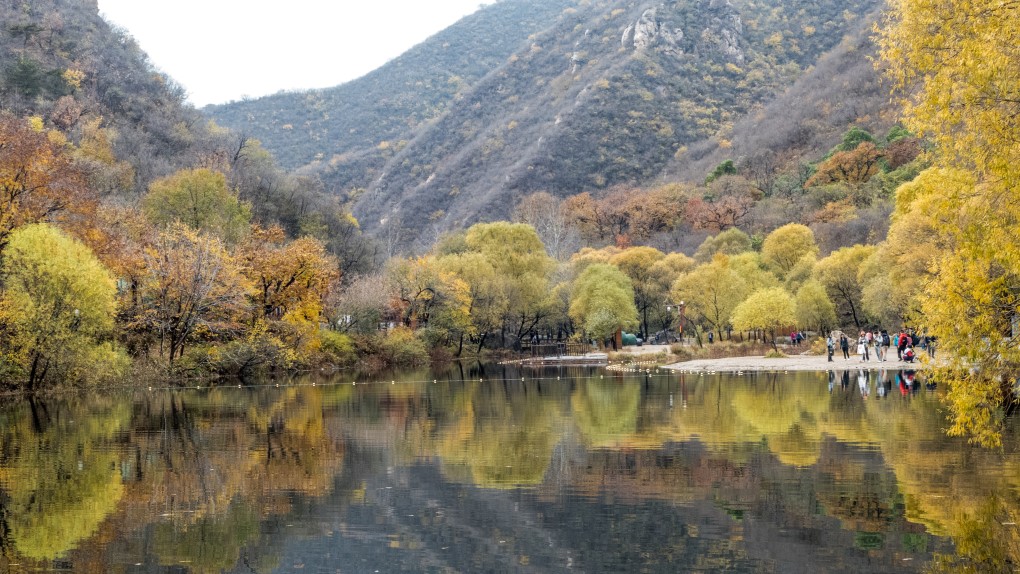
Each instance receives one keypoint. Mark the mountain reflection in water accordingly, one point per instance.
(500, 470)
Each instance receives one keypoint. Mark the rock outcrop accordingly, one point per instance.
(724, 31)
(649, 32)
(720, 32)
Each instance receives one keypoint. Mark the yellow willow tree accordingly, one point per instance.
(785, 247)
(488, 301)
(602, 301)
(517, 255)
(710, 292)
(56, 309)
(958, 66)
(768, 310)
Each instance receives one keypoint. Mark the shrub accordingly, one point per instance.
(402, 348)
(337, 348)
(625, 358)
(818, 346)
(258, 352)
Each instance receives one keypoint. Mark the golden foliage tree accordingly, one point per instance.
(768, 310)
(289, 276)
(39, 179)
(290, 280)
(190, 281)
(854, 167)
(58, 306)
(956, 65)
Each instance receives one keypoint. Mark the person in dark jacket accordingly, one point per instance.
(844, 344)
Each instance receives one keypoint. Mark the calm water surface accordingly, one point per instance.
(501, 470)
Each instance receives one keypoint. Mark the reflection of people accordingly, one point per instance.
(908, 378)
(832, 377)
(902, 384)
(862, 382)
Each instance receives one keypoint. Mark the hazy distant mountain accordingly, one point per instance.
(564, 97)
(391, 102)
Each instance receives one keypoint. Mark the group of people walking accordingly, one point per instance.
(876, 344)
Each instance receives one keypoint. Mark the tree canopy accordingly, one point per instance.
(955, 65)
(59, 304)
(768, 310)
(200, 199)
(603, 301)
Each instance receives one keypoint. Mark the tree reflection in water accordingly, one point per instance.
(484, 467)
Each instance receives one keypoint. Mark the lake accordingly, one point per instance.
(499, 469)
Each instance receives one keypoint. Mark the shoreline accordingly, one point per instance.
(791, 363)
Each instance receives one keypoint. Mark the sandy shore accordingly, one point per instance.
(791, 363)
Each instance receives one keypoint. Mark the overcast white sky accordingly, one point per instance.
(222, 50)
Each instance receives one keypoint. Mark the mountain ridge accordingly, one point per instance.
(607, 93)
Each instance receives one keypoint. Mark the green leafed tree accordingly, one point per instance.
(200, 199)
(602, 301)
(854, 137)
(58, 307)
(710, 293)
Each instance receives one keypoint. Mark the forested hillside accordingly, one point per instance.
(59, 60)
(601, 94)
